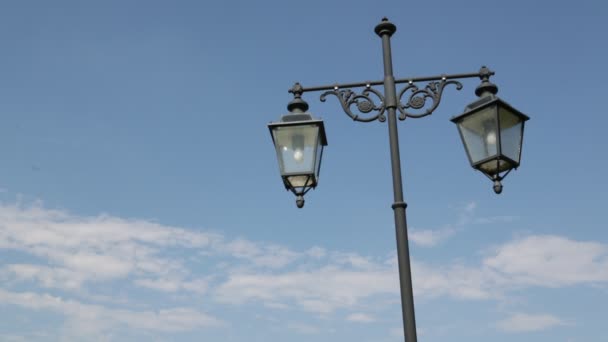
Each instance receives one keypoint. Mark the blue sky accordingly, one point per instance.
(140, 197)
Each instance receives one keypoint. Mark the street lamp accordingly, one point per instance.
(299, 140)
(491, 131)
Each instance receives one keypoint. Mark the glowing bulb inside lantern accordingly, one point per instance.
(298, 155)
(491, 138)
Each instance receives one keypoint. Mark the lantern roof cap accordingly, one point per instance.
(486, 101)
(292, 117)
(296, 119)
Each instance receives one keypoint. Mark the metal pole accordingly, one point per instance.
(385, 30)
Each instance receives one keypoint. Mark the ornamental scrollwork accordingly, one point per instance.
(417, 98)
(365, 103)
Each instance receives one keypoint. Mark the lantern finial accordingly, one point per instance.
(497, 186)
(486, 86)
(300, 201)
(297, 105)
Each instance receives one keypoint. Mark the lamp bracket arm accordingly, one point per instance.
(484, 72)
(367, 109)
(370, 103)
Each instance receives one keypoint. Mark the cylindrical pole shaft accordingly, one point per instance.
(385, 29)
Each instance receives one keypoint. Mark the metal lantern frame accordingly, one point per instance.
(490, 103)
(497, 105)
(311, 175)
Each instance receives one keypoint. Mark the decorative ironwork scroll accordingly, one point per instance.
(417, 99)
(370, 104)
(365, 103)
(413, 101)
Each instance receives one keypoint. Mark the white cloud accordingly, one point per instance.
(430, 238)
(262, 255)
(316, 252)
(456, 281)
(77, 254)
(46, 276)
(397, 332)
(73, 250)
(466, 216)
(522, 322)
(494, 219)
(29, 336)
(167, 320)
(360, 318)
(352, 260)
(320, 290)
(538, 260)
(470, 207)
(550, 261)
(302, 328)
(103, 248)
(173, 285)
(344, 284)
(73, 253)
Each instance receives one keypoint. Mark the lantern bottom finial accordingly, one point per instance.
(300, 201)
(497, 186)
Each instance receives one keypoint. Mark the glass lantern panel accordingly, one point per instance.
(479, 134)
(511, 129)
(296, 147)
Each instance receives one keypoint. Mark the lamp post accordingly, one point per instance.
(491, 131)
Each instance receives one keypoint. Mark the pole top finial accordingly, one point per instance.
(385, 27)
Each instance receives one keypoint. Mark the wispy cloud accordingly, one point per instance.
(72, 250)
(522, 322)
(68, 257)
(268, 255)
(470, 207)
(75, 255)
(433, 237)
(360, 318)
(550, 261)
(319, 290)
(174, 285)
(166, 320)
(303, 328)
(429, 237)
(466, 216)
(75, 250)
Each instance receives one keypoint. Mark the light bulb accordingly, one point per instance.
(491, 138)
(298, 155)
